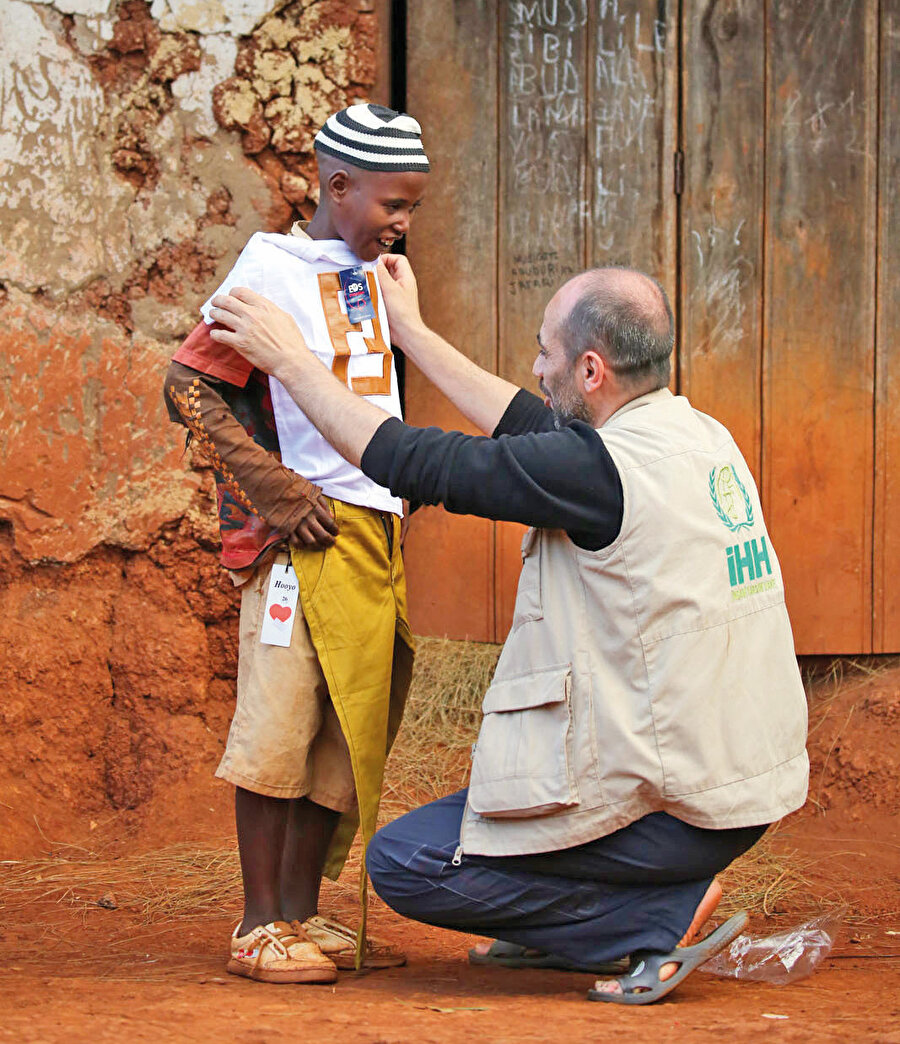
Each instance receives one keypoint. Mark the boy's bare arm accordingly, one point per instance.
(481, 396)
(286, 501)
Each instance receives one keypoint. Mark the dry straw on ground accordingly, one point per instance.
(185, 880)
(430, 759)
(431, 755)
(827, 679)
(179, 881)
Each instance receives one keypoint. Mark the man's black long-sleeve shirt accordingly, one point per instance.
(526, 472)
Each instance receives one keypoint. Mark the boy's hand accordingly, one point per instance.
(317, 531)
(401, 296)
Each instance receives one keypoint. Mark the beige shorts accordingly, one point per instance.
(285, 738)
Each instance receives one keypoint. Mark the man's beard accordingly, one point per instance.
(567, 406)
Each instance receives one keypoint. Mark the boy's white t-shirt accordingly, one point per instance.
(299, 274)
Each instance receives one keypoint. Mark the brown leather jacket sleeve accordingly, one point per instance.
(254, 476)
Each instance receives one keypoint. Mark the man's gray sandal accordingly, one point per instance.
(511, 955)
(642, 983)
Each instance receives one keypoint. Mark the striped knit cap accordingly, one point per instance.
(374, 138)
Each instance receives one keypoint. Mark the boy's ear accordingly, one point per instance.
(338, 185)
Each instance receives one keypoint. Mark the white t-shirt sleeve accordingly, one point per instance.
(247, 271)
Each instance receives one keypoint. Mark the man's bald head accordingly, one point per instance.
(625, 316)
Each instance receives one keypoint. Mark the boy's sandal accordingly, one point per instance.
(511, 955)
(338, 942)
(642, 984)
(279, 952)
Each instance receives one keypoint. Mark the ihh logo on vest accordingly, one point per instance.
(730, 498)
(749, 563)
(749, 566)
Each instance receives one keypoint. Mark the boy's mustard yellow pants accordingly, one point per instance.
(354, 599)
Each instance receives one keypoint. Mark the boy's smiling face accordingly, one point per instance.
(371, 210)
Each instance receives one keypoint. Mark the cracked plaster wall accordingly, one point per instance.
(140, 147)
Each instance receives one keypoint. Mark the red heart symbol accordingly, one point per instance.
(280, 612)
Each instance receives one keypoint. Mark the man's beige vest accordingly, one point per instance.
(655, 674)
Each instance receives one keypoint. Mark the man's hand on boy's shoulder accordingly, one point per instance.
(317, 531)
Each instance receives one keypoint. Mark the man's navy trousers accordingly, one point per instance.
(635, 889)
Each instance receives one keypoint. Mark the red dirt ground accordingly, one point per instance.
(76, 972)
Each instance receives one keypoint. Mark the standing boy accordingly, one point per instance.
(317, 710)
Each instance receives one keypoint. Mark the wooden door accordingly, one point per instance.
(886, 615)
(745, 154)
(452, 88)
(819, 300)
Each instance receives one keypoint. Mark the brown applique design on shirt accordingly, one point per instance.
(188, 405)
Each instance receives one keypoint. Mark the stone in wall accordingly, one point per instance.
(291, 73)
(235, 17)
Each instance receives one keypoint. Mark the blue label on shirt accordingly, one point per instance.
(356, 294)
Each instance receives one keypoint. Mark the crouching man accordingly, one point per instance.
(647, 720)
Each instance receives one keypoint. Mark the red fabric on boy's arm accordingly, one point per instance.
(201, 352)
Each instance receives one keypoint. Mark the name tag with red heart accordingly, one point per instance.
(281, 605)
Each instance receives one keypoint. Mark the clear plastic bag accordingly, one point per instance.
(781, 958)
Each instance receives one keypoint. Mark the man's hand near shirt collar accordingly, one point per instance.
(480, 396)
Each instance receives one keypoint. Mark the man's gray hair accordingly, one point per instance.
(633, 331)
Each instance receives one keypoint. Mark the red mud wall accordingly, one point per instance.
(141, 146)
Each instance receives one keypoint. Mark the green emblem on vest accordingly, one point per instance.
(730, 498)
